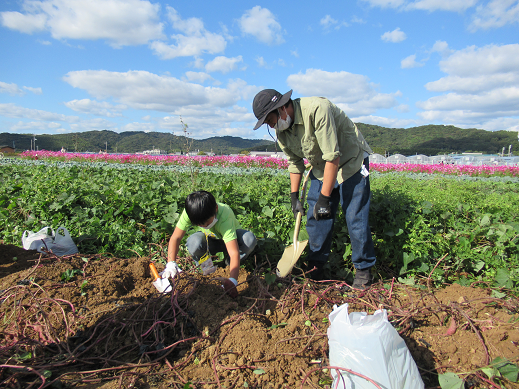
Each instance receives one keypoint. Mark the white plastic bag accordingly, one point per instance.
(369, 345)
(59, 242)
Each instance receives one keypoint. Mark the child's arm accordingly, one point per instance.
(234, 258)
(174, 244)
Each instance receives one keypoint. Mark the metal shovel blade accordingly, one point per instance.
(289, 258)
(162, 285)
(291, 253)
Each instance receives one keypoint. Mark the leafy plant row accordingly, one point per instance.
(435, 230)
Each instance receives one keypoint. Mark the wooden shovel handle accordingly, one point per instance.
(299, 215)
(154, 271)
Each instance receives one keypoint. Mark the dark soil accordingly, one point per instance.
(92, 321)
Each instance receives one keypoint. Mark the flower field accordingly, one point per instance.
(266, 162)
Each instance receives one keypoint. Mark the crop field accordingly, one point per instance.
(447, 272)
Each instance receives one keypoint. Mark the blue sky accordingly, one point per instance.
(135, 65)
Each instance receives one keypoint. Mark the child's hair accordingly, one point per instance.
(200, 206)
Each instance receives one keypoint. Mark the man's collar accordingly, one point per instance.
(298, 117)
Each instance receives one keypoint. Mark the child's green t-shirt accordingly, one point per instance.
(225, 228)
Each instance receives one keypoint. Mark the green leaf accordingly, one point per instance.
(267, 211)
(450, 381)
(503, 278)
(47, 373)
(507, 369)
(308, 323)
(490, 371)
(24, 356)
(479, 265)
(259, 371)
(407, 281)
(270, 278)
(498, 295)
(485, 220)
(274, 326)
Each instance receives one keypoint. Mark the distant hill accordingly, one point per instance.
(132, 142)
(437, 139)
(428, 140)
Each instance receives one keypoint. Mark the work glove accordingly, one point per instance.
(229, 285)
(323, 209)
(296, 204)
(171, 270)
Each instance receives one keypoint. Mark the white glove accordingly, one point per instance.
(171, 270)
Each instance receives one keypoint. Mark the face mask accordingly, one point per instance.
(283, 124)
(212, 224)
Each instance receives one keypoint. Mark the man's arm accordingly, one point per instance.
(174, 244)
(295, 181)
(330, 176)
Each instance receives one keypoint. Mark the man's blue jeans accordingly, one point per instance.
(354, 197)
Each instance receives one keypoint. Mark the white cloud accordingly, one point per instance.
(25, 23)
(95, 107)
(410, 62)
(482, 84)
(354, 93)
(385, 121)
(394, 36)
(261, 24)
(223, 64)
(136, 126)
(12, 89)
(36, 91)
(32, 127)
(495, 14)
(441, 47)
(424, 5)
(194, 40)
(385, 3)
(120, 22)
(442, 5)
(491, 59)
(14, 111)
(93, 124)
(261, 62)
(144, 90)
(199, 77)
(328, 22)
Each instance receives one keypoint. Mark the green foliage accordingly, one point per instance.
(450, 381)
(440, 229)
(69, 274)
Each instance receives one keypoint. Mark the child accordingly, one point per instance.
(219, 232)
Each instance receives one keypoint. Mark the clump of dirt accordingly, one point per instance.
(93, 321)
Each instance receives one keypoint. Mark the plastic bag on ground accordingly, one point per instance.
(369, 345)
(59, 242)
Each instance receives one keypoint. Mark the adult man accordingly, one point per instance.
(318, 130)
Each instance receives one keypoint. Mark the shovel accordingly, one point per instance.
(293, 252)
(162, 284)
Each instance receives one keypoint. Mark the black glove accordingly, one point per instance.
(323, 209)
(296, 204)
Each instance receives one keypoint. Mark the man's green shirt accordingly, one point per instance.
(321, 132)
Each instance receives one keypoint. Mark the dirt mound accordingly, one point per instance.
(93, 321)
